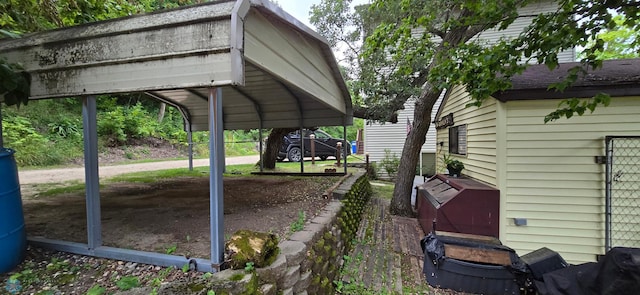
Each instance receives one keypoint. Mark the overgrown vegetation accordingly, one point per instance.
(50, 132)
(390, 163)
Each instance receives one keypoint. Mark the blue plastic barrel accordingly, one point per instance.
(13, 238)
(354, 147)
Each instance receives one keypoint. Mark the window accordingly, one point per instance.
(458, 140)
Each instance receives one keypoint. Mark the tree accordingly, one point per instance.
(619, 41)
(19, 17)
(422, 47)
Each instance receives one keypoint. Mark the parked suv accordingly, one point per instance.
(325, 145)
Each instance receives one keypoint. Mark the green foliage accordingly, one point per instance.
(185, 268)
(372, 171)
(390, 163)
(14, 84)
(127, 283)
(453, 165)
(621, 41)
(249, 267)
(66, 128)
(96, 290)
(171, 249)
(298, 224)
(419, 48)
(382, 189)
(32, 148)
(125, 122)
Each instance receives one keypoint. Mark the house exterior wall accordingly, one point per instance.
(480, 160)
(493, 35)
(379, 137)
(546, 173)
(552, 179)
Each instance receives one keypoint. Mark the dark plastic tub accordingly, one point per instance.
(470, 277)
(13, 239)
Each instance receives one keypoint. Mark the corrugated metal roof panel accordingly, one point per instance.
(286, 75)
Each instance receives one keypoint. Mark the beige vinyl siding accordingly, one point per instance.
(552, 179)
(392, 136)
(480, 160)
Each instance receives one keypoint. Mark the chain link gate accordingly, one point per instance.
(622, 191)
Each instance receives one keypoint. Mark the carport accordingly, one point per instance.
(242, 64)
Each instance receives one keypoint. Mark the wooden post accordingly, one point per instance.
(312, 139)
(366, 156)
(338, 152)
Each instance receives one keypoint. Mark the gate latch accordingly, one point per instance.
(601, 159)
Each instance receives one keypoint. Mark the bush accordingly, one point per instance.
(32, 149)
(124, 123)
(390, 163)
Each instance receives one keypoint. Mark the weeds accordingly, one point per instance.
(298, 224)
(249, 267)
(96, 290)
(171, 249)
(127, 283)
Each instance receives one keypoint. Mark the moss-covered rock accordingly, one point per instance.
(249, 246)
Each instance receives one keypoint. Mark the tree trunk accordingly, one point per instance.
(274, 141)
(163, 107)
(401, 202)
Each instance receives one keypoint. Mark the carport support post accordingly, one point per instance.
(190, 144)
(261, 147)
(92, 181)
(345, 146)
(215, 175)
(301, 149)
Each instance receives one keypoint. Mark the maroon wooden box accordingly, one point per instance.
(458, 204)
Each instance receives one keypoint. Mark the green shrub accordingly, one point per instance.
(32, 149)
(390, 163)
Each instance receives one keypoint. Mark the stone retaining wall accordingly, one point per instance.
(310, 259)
(308, 262)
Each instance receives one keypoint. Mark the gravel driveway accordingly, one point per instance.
(67, 174)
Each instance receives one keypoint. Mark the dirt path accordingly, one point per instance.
(67, 174)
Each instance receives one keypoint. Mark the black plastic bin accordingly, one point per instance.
(471, 277)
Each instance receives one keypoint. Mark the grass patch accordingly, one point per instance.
(382, 189)
(154, 176)
(231, 170)
(66, 188)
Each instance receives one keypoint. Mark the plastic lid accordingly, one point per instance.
(5, 152)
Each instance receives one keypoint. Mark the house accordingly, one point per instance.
(571, 185)
(380, 137)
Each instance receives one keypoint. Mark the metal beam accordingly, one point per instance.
(216, 194)
(153, 258)
(186, 116)
(184, 111)
(92, 180)
(190, 145)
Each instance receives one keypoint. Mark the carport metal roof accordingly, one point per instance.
(274, 71)
(226, 65)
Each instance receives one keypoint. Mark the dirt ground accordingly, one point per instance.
(173, 215)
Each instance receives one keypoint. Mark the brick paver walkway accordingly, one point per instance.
(387, 258)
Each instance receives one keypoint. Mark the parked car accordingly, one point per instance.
(325, 145)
